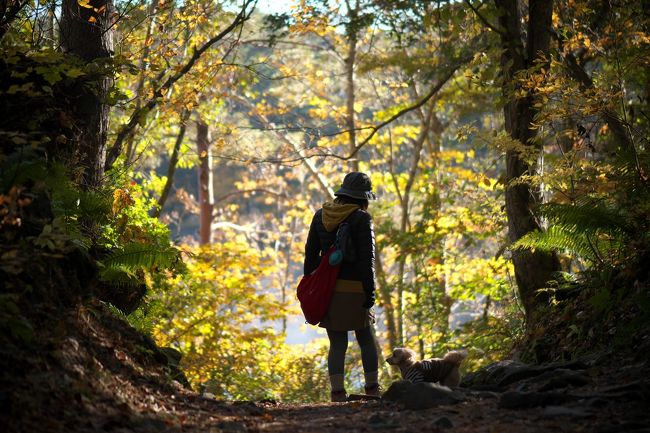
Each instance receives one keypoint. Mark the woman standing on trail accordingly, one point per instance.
(354, 293)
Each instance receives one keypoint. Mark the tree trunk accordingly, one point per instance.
(139, 88)
(88, 35)
(532, 269)
(352, 32)
(432, 212)
(173, 162)
(386, 303)
(206, 192)
(349, 74)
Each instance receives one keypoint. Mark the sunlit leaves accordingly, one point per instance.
(227, 325)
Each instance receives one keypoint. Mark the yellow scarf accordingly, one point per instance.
(335, 213)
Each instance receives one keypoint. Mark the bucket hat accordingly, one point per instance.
(357, 185)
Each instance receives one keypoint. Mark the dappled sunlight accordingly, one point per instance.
(162, 163)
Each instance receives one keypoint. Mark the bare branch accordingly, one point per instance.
(248, 191)
(432, 92)
(311, 167)
(285, 42)
(301, 152)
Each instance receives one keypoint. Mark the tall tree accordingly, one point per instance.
(533, 269)
(86, 32)
(206, 194)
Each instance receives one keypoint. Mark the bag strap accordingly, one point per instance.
(351, 220)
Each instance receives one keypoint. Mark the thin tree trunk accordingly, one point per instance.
(88, 35)
(432, 212)
(400, 300)
(206, 192)
(173, 161)
(418, 315)
(51, 31)
(287, 272)
(532, 269)
(349, 89)
(386, 303)
(139, 88)
(405, 201)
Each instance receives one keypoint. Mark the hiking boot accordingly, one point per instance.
(373, 390)
(338, 396)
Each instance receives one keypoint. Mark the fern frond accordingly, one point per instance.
(590, 230)
(146, 316)
(557, 238)
(119, 276)
(142, 319)
(116, 311)
(586, 217)
(137, 255)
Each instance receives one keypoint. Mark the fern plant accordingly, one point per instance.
(143, 319)
(136, 255)
(125, 271)
(588, 230)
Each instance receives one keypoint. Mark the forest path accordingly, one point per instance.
(620, 411)
(565, 397)
(93, 373)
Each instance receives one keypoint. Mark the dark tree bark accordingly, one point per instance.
(87, 34)
(532, 269)
(206, 192)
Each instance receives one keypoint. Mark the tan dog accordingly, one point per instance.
(445, 370)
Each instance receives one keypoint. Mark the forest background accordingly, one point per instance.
(167, 157)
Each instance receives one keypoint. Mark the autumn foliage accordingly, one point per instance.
(225, 127)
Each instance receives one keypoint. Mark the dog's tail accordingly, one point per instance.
(455, 356)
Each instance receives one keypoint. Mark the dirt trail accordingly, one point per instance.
(612, 401)
(90, 372)
(604, 410)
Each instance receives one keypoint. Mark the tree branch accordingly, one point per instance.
(483, 19)
(432, 92)
(173, 161)
(243, 15)
(311, 167)
(302, 156)
(9, 14)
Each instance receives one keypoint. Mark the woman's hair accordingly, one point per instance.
(344, 199)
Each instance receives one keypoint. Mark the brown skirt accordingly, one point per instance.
(346, 312)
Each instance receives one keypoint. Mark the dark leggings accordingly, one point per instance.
(339, 344)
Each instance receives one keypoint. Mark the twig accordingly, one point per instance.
(420, 103)
(483, 19)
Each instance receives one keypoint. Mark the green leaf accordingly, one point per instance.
(138, 255)
(74, 73)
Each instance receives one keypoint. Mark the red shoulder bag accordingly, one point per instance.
(315, 290)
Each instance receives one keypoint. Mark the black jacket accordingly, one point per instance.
(363, 237)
